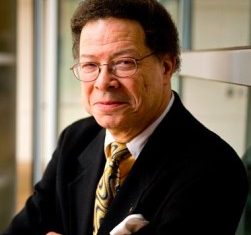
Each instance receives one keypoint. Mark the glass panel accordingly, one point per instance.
(7, 110)
(24, 101)
(173, 8)
(224, 23)
(69, 88)
(221, 107)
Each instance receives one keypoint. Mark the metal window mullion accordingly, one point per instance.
(185, 26)
(45, 83)
(185, 19)
(51, 60)
(37, 91)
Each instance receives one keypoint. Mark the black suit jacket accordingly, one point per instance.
(186, 180)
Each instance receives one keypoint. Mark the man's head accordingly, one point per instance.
(126, 77)
(160, 32)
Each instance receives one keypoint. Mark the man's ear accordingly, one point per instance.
(169, 64)
(166, 67)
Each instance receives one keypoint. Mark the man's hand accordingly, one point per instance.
(52, 233)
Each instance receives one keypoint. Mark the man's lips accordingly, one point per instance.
(109, 105)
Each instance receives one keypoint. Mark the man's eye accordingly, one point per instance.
(88, 67)
(125, 64)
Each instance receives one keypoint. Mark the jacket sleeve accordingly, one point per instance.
(39, 214)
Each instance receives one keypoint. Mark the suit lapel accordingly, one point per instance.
(82, 190)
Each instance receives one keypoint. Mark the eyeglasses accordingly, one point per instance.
(122, 67)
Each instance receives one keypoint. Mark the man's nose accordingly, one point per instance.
(106, 80)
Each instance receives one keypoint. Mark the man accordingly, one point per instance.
(182, 179)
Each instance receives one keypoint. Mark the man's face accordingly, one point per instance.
(125, 106)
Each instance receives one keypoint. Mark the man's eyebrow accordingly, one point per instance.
(116, 54)
(87, 56)
(126, 51)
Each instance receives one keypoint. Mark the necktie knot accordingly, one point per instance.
(117, 153)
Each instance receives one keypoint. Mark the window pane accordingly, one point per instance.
(7, 110)
(70, 107)
(224, 23)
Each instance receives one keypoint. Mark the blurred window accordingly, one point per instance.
(7, 109)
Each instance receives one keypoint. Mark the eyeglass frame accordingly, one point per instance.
(109, 65)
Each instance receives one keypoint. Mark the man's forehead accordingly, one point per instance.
(108, 29)
(112, 32)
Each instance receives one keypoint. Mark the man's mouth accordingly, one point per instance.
(109, 105)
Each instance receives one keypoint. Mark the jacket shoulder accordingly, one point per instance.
(79, 134)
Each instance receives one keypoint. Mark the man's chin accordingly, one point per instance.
(108, 122)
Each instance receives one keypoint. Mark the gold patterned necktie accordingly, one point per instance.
(118, 164)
